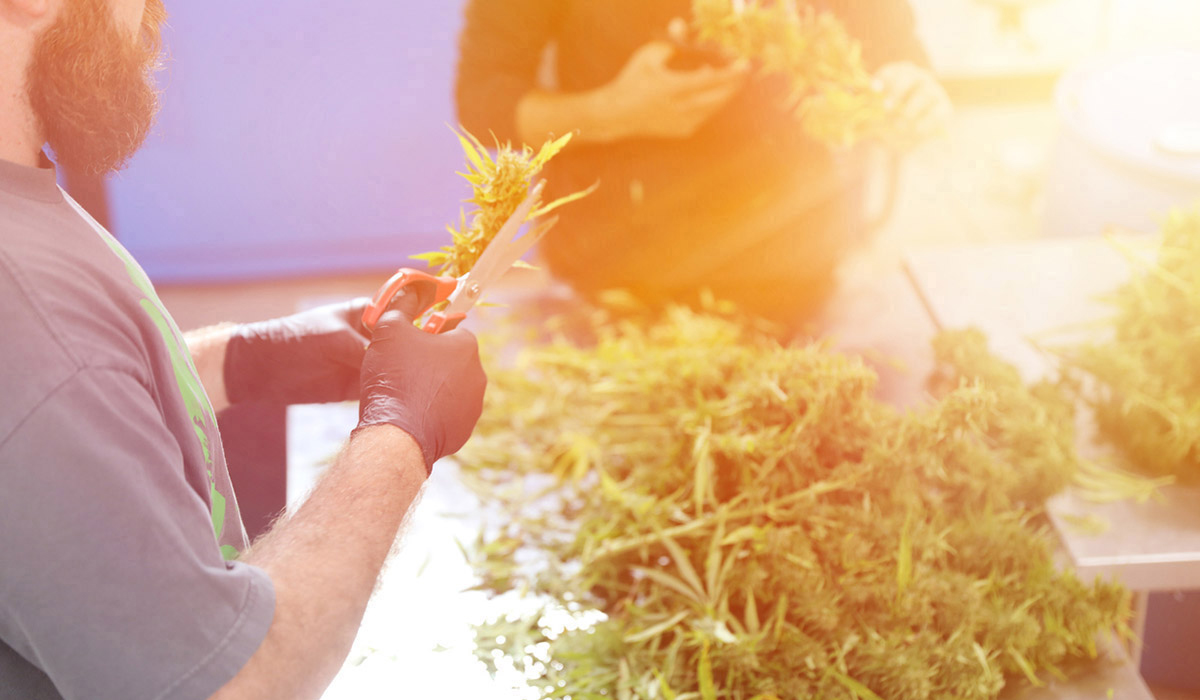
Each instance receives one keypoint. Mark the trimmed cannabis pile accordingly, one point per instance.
(831, 92)
(1146, 393)
(1033, 427)
(753, 524)
(499, 184)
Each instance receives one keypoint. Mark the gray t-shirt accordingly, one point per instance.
(118, 523)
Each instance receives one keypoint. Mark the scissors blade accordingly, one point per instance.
(500, 255)
(472, 285)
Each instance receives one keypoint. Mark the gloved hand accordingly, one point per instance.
(310, 357)
(429, 386)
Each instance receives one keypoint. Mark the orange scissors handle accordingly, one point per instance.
(441, 321)
(407, 276)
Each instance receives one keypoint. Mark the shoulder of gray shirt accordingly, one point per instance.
(66, 304)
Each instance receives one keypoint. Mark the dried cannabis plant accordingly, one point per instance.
(499, 184)
(1034, 425)
(752, 524)
(1146, 392)
(831, 91)
(1033, 428)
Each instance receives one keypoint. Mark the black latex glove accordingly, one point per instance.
(310, 357)
(429, 386)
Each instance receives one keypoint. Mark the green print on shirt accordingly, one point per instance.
(186, 377)
(194, 397)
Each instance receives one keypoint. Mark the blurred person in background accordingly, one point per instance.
(705, 177)
(124, 567)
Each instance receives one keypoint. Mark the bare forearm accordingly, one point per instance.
(207, 346)
(325, 561)
(647, 99)
(541, 114)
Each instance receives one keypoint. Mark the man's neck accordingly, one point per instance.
(20, 141)
(20, 136)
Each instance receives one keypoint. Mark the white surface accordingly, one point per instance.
(1111, 165)
(964, 37)
(1123, 105)
(1015, 292)
(315, 433)
(416, 640)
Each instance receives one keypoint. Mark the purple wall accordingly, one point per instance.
(296, 138)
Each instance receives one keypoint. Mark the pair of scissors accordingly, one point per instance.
(462, 292)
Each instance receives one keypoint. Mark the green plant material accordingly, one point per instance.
(743, 520)
(830, 90)
(1089, 524)
(499, 184)
(1107, 484)
(1034, 427)
(1144, 380)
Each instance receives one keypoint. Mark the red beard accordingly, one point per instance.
(91, 86)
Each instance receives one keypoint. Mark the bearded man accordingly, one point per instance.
(124, 567)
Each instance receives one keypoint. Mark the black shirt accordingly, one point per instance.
(747, 206)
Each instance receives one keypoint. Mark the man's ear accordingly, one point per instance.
(27, 12)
